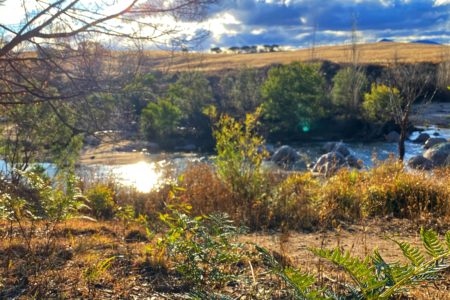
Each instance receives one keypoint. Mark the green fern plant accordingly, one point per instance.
(374, 278)
(301, 283)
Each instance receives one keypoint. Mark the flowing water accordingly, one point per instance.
(157, 168)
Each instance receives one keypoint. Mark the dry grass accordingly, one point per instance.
(351, 210)
(302, 202)
(81, 244)
(373, 53)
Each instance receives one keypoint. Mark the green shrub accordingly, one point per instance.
(101, 201)
(160, 120)
(348, 86)
(295, 97)
(380, 103)
(240, 153)
(204, 250)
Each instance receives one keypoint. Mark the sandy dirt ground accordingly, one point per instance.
(360, 240)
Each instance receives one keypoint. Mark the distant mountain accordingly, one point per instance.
(385, 41)
(430, 42)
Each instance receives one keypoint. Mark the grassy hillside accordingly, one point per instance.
(374, 53)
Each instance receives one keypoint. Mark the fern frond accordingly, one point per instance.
(414, 254)
(432, 243)
(447, 239)
(301, 282)
(361, 271)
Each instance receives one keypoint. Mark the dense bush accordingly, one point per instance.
(206, 192)
(240, 153)
(240, 93)
(380, 103)
(391, 190)
(348, 87)
(101, 201)
(295, 97)
(294, 203)
(160, 120)
(341, 198)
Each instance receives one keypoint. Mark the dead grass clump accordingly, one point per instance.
(149, 204)
(340, 198)
(206, 192)
(389, 190)
(294, 203)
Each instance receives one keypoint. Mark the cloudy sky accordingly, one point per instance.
(292, 22)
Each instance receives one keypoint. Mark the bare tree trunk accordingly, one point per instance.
(401, 144)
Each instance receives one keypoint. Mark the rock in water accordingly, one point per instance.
(285, 156)
(420, 163)
(433, 141)
(422, 138)
(330, 163)
(439, 154)
(337, 147)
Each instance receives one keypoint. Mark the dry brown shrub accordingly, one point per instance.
(294, 203)
(390, 190)
(340, 198)
(207, 194)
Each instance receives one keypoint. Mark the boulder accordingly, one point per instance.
(421, 139)
(336, 147)
(330, 163)
(433, 141)
(392, 137)
(439, 154)
(420, 163)
(285, 156)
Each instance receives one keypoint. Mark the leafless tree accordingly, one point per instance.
(54, 29)
(358, 79)
(414, 83)
(59, 53)
(443, 72)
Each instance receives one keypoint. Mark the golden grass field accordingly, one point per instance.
(373, 53)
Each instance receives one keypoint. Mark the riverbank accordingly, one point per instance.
(110, 152)
(436, 114)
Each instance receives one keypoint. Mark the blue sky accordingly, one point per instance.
(292, 22)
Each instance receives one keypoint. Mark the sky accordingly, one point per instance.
(297, 23)
(293, 22)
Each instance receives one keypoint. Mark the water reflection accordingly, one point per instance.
(144, 176)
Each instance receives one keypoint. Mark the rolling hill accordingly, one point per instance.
(374, 53)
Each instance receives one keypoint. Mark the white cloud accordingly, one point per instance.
(258, 31)
(441, 2)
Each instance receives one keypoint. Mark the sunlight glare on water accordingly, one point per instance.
(144, 176)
